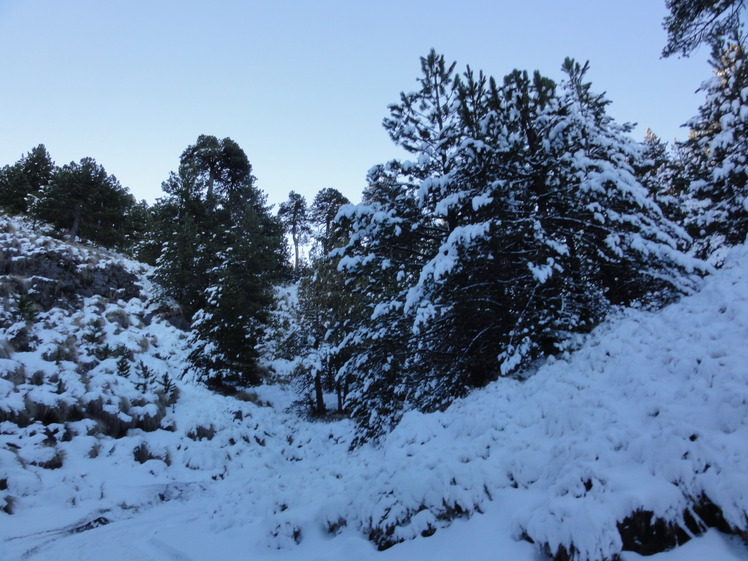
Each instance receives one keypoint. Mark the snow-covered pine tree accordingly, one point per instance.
(326, 307)
(520, 223)
(718, 146)
(663, 173)
(395, 230)
(608, 243)
(461, 304)
(445, 328)
(380, 261)
(520, 115)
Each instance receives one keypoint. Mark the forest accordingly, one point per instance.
(525, 340)
(526, 216)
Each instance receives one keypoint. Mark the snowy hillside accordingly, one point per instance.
(637, 441)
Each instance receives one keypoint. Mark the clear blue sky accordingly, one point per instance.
(302, 86)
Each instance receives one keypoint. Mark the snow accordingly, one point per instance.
(544, 271)
(649, 412)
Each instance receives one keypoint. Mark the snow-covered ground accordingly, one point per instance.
(649, 414)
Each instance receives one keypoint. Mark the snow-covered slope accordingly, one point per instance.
(639, 439)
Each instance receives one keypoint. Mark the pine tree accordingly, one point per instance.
(326, 307)
(293, 215)
(180, 271)
(478, 283)
(168, 389)
(139, 227)
(145, 377)
(228, 328)
(322, 213)
(693, 22)
(123, 367)
(321, 312)
(520, 224)
(663, 173)
(24, 179)
(380, 262)
(222, 252)
(14, 188)
(426, 123)
(82, 200)
(431, 245)
(219, 166)
(718, 147)
(605, 241)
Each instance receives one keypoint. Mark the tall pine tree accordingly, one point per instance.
(222, 253)
(718, 147)
(293, 215)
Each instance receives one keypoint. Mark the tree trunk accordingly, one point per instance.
(73, 233)
(318, 395)
(339, 391)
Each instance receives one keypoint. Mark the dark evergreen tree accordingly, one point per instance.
(38, 167)
(179, 219)
(222, 253)
(139, 232)
(14, 188)
(82, 200)
(322, 213)
(228, 328)
(218, 166)
(24, 179)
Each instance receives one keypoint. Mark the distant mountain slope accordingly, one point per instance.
(635, 441)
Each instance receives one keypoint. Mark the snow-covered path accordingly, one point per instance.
(183, 532)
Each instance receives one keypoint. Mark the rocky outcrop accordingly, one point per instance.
(52, 276)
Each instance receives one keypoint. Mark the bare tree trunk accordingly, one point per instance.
(339, 391)
(73, 232)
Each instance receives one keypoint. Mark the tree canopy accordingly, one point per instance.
(519, 223)
(691, 23)
(24, 179)
(82, 200)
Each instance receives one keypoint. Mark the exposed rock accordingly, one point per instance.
(645, 534)
(58, 276)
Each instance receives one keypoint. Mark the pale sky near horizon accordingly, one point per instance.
(301, 86)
